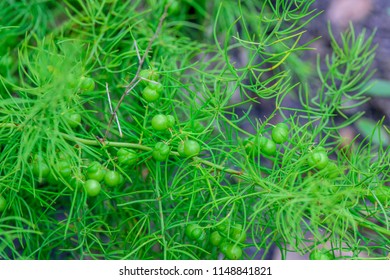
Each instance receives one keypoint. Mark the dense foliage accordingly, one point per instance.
(129, 130)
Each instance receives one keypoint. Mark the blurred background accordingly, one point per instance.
(373, 16)
(369, 16)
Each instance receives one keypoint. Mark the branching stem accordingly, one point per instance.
(103, 143)
(135, 80)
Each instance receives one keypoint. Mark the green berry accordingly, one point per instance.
(191, 148)
(160, 122)
(215, 238)
(267, 146)
(96, 171)
(148, 75)
(150, 95)
(64, 169)
(127, 156)
(171, 121)
(156, 86)
(318, 159)
(73, 119)
(87, 84)
(113, 178)
(3, 203)
(161, 151)
(195, 232)
(280, 133)
(40, 169)
(223, 246)
(237, 233)
(92, 187)
(233, 252)
(321, 254)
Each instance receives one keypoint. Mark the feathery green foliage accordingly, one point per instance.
(81, 80)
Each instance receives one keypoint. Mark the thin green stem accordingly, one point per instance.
(160, 209)
(148, 149)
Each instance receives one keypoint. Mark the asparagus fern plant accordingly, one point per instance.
(130, 130)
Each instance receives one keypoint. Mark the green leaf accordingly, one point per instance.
(375, 131)
(379, 88)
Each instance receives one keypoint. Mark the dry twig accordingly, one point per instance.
(136, 79)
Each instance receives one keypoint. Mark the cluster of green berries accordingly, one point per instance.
(42, 171)
(187, 148)
(72, 119)
(317, 158)
(153, 88)
(265, 145)
(84, 84)
(95, 173)
(227, 238)
(195, 232)
(162, 122)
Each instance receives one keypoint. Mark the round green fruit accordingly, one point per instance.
(158, 87)
(148, 75)
(40, 169)
(171, 121)
(3, 203)
(87, 84)
(113, 178)
(76, 183)
(92, 187)
(64, 169)
(198, 234)
(215, 238)
(189, 229)
(73, 119)
(127, 156)
(195, 232)
(174, 7)
(267, 146)
(96, 171)
(161, 151)
(237, 233)
(180, 149)
(191, 148)
(160, 122)
(318, 159)
(321, 254)
(332, 170)
(223, 246)
(233, 252)
(150, 95)
(280, 133)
